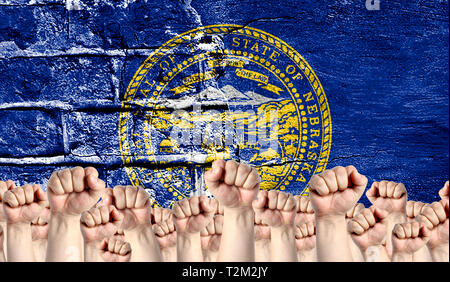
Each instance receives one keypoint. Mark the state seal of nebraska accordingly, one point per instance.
(223, 92)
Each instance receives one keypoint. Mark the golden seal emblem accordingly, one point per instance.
(223, 92)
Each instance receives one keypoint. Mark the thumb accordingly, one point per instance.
(94, 182)
(357, 180)
(261, 200)
(379, 213)
(212, 177)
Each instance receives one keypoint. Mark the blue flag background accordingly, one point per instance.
(65, 67)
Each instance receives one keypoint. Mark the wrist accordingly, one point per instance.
(240, 215)
(330, 217)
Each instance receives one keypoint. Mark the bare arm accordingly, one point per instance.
(235, 186)
(332, 194)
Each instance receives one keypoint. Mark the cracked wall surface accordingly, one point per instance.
(65, 66)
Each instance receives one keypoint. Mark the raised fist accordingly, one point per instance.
(368, 228)
(211, 234)
(443, 193)
(40, 226)
(164, 230)
(4, 186)
(160, 215)
(99, 223)
(305, 211)
(413, 209)
(233, 184)
(24, 204)
(351, 213)
(194, 214)
(305, 236)
(335, 191)
(409, 237)
(134, 204)
(275, 208)
(388, 195)
(435, 218)
(115, 250)
(73, 191)
(262, 231)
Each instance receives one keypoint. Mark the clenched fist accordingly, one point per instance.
(4, 186)
(305, 236)
(211, 234)
(351, 213)
(72, 191)
(368, 228)
(134, 204)
(435, 218)
(24, 204)
(99, 223)
(388, 195)
(305, 211)
(233, 184)
(165, 232)
(336, 191)
(40, 226)
(194, 214)
(275, 208)
(115, 250)
(408, 238)
(413, 209)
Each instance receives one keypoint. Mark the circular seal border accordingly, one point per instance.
(279, 44)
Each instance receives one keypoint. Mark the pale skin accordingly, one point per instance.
(408, 238)
(435, 218)
(21, 206)
(368, 230)
(305, 241)
(391, 197)
(39, 234)
(332, 194)
(97, 224)
(70, 192)
(191, 216)
(262, 239)
(113, 250)
(305, 217)
(134, 204)
(413, 210)
(2, 254)
(210, 238)
(4, 186)
(278, 210)
(357, 255)
(235, 186)
(166, 235)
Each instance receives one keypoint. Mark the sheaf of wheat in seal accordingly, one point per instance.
(223, 92)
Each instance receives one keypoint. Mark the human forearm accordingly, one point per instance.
(440, 253)
(422, 255)
(283, 244)
(20, 245)
(238, 235)
(40, 249)
(64, 239)
(189, 247)
(144, 246)
(262, 250)
(393, 219)
(332, 239)
(307, 255)
(92, 252)
(169, 254)
(376, 253)
(401, 257)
